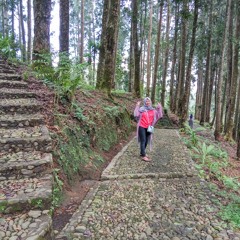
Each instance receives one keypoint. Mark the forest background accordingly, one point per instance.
(183, 53)
(162, 49)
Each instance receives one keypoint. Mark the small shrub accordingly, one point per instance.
(65, 78)
(231, 183)
(203, 152)
(231, 213)
(8, 48)
(57, 190)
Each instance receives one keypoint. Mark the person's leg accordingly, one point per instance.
(148, 137)
(143, 139)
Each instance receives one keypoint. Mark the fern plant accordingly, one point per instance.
(8, 48)
(65, 78)
(203, 152)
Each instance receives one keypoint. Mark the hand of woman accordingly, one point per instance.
(138, 103)
(159, 105)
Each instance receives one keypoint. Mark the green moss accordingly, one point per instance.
(3, 206)
(74, 151)
(38, 202)
(80, 145)
(116, 126)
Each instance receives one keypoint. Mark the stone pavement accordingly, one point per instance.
(161, 200)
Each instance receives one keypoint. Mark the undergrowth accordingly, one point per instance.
(83, 133)
(210, 162)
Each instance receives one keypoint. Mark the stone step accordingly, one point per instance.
(5, 76)
(24, 165)
(19, 106)
(12, 84)
(25, 194)
(7, 70)
(16, 93)
(25, 139)
(4, 65)
(20, 120)
(28, 225)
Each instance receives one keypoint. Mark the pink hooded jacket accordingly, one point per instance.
(158, 113)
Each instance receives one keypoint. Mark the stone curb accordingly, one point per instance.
(147, 175)
(77, 216)
(114, 161)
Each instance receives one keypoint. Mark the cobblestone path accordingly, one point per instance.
(160, 200)
(26, 160)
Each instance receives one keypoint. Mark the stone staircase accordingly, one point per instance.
(25, 162)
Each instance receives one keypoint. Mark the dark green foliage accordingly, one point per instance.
(65, 78)
(8, 48)
(231, 212)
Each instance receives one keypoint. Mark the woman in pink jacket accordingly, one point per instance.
(146, 116)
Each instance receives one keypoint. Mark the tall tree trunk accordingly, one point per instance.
(82, 32)
(29, 27)
(223, 107)
(214, 113)
(157, 50)
(131, 61)
(237, 112)
(233, 89)
(230, 68)
(19, 30)
(218, 106)
(23, 47)
(199, 93)
(180, 90)
(91, 45)
(102, 50)
(143, 67)
(177, 92)
(165, 68)
(2, 17)
(208, 63)
(174, 60)
(5, 19)
(149, 51)
(210, 89)
(137, 52)
(64, 29)
(13, 19)
(238, 141)
(110, 47)
(94, 40)
(185, 98)
(142, 42)
(42, 18)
